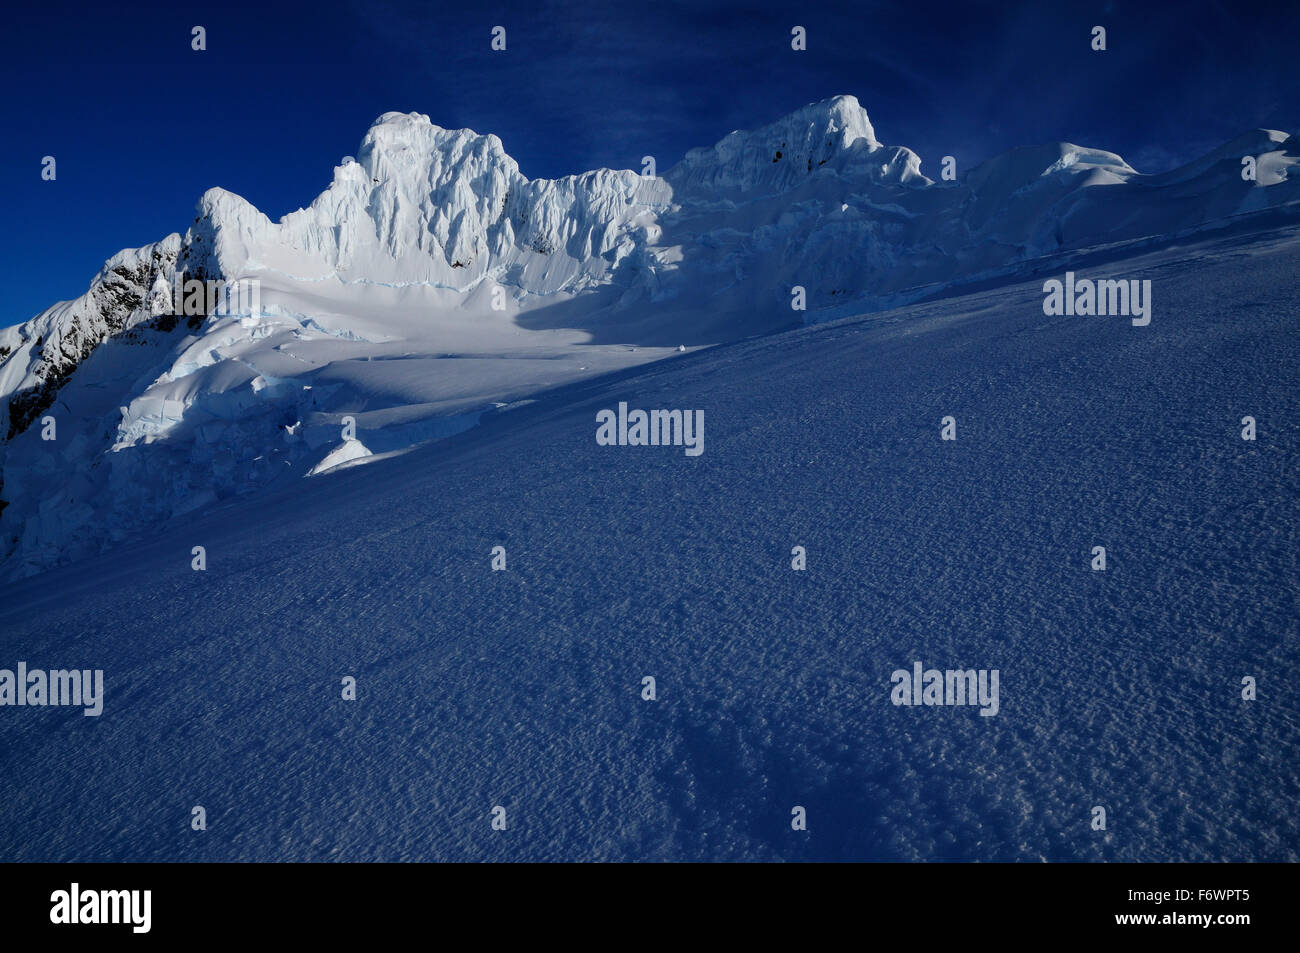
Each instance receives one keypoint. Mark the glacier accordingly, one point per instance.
(432, 283)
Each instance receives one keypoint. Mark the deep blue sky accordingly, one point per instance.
(141, 125)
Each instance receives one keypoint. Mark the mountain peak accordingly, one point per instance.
(779, 155)
(844, 114)
(395, 118)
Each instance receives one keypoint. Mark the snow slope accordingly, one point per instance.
(522, 688)
(432, 282)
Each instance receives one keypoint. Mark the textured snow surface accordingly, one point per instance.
(522, 688)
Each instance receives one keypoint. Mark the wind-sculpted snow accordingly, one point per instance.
(523, 688)
(432, 280)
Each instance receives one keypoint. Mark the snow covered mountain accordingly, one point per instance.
(432, 283)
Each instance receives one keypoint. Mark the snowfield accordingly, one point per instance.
(522, 688)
